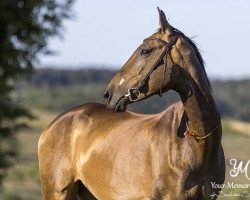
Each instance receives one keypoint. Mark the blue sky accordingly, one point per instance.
(106, 33)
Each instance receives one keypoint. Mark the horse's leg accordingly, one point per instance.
(164, 189)
(57, 180)
(218, 177)
(58, 188)
(53, 192)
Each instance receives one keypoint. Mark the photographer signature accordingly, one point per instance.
(243, 194)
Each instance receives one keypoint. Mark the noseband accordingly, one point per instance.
(134, 93)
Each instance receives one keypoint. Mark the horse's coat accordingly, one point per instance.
(129, 156)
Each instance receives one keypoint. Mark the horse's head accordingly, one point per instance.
(147, 72)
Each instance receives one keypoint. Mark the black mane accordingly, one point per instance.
(196, 50)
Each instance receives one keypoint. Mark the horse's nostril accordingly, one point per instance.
(107, 96)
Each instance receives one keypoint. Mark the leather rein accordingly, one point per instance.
(198, 138)
(134, 93)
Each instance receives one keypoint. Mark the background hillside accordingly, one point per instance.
(62, 89)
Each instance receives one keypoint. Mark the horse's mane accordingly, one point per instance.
(196, 50)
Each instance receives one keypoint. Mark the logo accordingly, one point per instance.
(239, 167)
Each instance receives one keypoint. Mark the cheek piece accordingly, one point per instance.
(134, 93)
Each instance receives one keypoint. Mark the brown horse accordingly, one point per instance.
(173, 155)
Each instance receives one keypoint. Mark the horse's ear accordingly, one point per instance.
(164, 25)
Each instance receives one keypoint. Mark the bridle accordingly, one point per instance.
(134, 93)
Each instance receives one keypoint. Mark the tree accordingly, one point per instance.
(25, 27)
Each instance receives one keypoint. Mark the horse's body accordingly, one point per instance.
(129, 156)
(122, 155)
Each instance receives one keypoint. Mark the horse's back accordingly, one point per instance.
(83, 124)
(94, 121)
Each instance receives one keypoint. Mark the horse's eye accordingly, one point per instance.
(145, 52)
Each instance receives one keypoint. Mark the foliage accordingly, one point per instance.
(64, 89)
(56, 77)
(25, 27)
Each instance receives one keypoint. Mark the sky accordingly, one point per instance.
(106, 33)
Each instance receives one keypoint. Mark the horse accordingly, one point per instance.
(102, 151)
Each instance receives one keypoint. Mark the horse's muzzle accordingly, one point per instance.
(117, 104)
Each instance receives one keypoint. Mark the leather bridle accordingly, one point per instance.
(134, 93)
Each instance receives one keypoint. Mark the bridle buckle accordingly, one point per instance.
(133, 92)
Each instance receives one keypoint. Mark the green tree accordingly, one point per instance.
(25, 27)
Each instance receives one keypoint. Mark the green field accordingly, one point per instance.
(22, 181)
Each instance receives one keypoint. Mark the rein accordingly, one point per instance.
(190, 133)
(134, 93)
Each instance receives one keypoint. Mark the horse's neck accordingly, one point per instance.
(202, 114)
(199, 105)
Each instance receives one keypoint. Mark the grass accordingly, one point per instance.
(22, 181)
